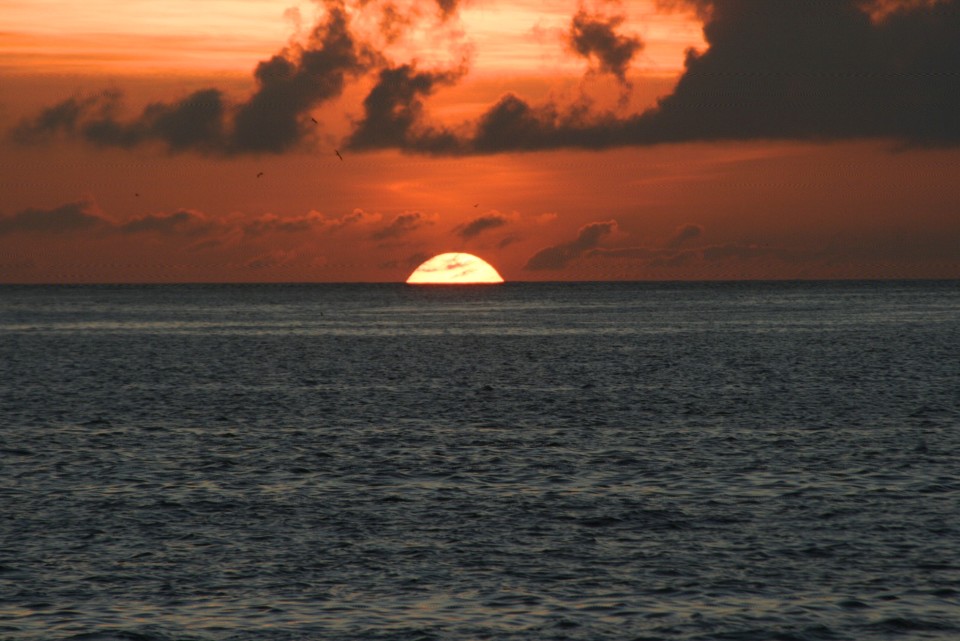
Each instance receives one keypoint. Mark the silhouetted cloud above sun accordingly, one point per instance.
(272, 119)
(339, 140)
(481, 224)
(838, 69)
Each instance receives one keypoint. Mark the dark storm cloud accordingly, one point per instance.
(65, 219)
(512, 124)
(479, 225)
(400, 226)
(289, 85)
(824, 70)
(559, 256)
(393, 109)
(814, 70)
(194, 122)
(595, 37)
(685, 233)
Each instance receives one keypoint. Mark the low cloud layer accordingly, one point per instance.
(684, 233)
(481, 224)
(401, 225)
(84, 217)
(559, 256)
(65, 219)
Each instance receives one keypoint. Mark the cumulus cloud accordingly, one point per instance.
(84, 217)
(401, 225)
(394, 107)
(684, 233)
(673, 256)
(481, 224)
(69, 218)
(356, 217)
(272, 223)
(559, 256)
(824, 70)
(809, 71)
(595, 37)
(289, 85)
(185, 222)
(815, 70)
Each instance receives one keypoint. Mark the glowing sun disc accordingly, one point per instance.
(454, 268)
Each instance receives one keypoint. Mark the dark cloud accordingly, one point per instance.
(69, 218)
(271, 223)
(627, 252)
(400, 226)
(195, 122)
(289, 85)
(293, 82)
(559, 256)
(447, 7)
(684, 233)
(393, 109)
(393, 22)
(595, 37)
(674, 257)
(63, 116)
(507, 241)
(512, 124)
(481, 224)
(181, 223)
(815, 70)
(824, 70)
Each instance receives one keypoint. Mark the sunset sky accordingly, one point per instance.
(350, 140)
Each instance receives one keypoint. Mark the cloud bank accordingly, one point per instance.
(272, 120)
(824, 70)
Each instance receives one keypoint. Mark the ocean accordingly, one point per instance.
(641, 461)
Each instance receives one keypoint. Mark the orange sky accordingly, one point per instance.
(139, 144)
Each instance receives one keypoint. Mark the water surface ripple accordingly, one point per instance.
(592, 461)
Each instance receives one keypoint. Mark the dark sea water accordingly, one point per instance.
(740, 461)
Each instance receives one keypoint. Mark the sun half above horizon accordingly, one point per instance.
(455, 268)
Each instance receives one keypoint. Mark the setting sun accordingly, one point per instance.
(454, 268)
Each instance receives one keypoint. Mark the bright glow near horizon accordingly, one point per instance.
(455, 268)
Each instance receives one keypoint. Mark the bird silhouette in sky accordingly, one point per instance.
(314, 120)
(337, 151)
(259, 174)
